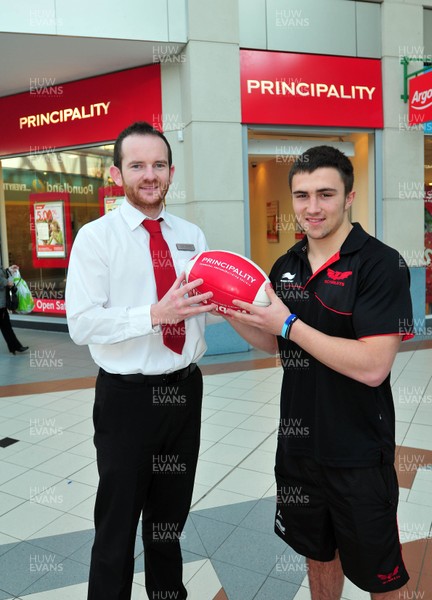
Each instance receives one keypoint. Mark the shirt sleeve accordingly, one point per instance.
(90, 319)
(383, 305)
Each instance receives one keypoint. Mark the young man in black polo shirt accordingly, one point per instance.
(340, 306)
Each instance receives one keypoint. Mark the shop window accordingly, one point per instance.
(273, 228)
(40, 233)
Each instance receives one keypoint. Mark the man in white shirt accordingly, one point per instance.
(148, 397)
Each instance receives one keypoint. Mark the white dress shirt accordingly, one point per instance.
(111, 285)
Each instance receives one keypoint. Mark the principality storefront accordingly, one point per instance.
(56, 150)
(291, 102)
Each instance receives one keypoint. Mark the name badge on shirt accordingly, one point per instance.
(187, 247)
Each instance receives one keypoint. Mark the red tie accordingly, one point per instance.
(174, 336)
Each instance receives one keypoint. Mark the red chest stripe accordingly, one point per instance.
(332, 309)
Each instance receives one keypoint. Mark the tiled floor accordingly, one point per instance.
(48, 478)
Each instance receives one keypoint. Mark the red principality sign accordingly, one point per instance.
(307, 89)
(89, 111)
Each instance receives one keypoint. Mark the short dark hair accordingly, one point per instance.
(138, 128)
(324, 157)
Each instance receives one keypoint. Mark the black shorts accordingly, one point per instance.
(321, 509)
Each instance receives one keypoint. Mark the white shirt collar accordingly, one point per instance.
(135, 217)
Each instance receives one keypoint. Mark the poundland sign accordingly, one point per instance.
(305, 89)
(420, 99)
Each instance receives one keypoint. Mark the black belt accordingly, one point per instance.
(167, 378)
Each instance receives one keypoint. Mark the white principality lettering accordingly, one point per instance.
(65, 114)
(293, 88)
(227, 267)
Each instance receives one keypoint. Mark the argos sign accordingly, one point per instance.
(306, 89)
(420, 99)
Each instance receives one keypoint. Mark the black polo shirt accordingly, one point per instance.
(361, 291)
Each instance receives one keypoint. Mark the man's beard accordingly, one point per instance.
(137, 200)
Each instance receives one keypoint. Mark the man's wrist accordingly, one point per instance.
(155, 321)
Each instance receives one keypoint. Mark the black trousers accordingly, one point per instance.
(6, 328)
(147, 442)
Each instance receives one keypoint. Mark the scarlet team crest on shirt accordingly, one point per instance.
(338, 274)
(337, 277)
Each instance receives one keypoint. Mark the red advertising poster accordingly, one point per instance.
(309, 89)
(89, 111)
(110, 198)
(420, 99)
(50, 229)
(272, 218)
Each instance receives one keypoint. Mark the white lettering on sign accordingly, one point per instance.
(228, 267)
(293, 88)
(422, 97)
(65, 114)
(71, 189)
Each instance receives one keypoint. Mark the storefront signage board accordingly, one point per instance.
(420, 99)
(284, 88)
(88, 111)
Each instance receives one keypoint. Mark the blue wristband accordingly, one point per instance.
(286, 327)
